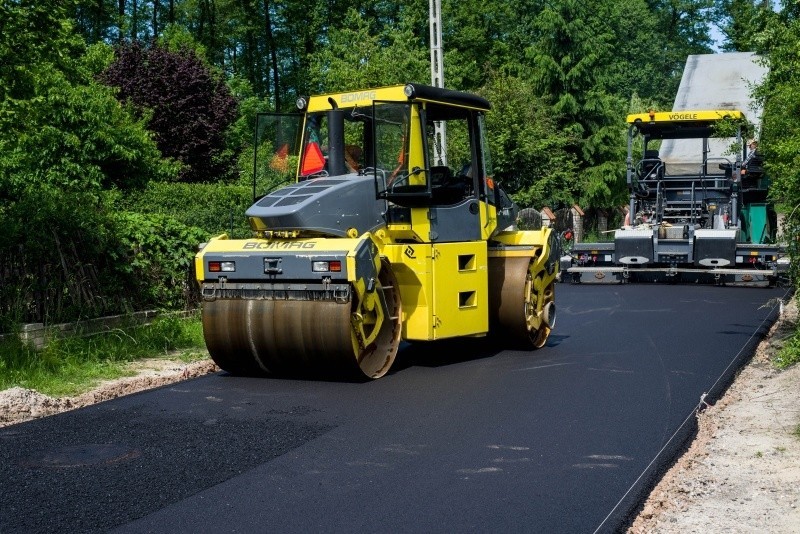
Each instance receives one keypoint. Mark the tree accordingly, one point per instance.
(59, 128)
(639, 64)
(741, 22)
(530, 153)
(684, 28)
(570, 56)
(483, 37)
(780, 133)
(188, 106)
(98, 20)
(355, 57)
(65, 143)
(25, 51)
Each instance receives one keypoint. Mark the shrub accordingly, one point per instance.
(215, 208)
(189, 106)
(155, 259)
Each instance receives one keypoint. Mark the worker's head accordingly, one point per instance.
(752, 144)
(354, 151)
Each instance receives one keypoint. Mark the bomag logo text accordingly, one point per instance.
(281, 245)
(682, 116)
(355, 97)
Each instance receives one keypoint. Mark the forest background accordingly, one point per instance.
(126, 126)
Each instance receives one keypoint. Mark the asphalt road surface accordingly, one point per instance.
(459, 437)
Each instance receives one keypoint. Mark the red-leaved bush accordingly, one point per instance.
(191, 107)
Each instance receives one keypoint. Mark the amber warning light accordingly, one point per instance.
(326, 266)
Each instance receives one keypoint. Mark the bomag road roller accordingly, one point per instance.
(378, 239)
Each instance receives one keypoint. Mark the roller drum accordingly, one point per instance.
(521, 301)
(252, 336)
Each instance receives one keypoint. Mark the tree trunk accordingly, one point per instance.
(134, 19)
(97, 33)
(121, 21)
(273, 57)
(155, 19)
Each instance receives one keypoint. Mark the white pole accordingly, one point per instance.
(437, 77)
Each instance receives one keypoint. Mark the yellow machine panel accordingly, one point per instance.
(413, 268)
(461, 289)
(443, 288)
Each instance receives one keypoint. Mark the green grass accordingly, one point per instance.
(73, 365)
(789, 354)
(593, 236)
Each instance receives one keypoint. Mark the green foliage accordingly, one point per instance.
(569, 61)
(270, 176)
(741, 22)
(36, 37)
(530, 154)
(728, 128)
(240, 139)
(186, 104)
(214, 208)
(593, 236)
(240, 133)
(789, 354)
(790, 232)
(85, 263)
(357, 57)
(53, 258)
(155, 258)
(176, 38)
(64, 141)
(67, 132)
(640, 64)
(780, 131)
(684, 29)
(77, 138)
(73, 365)
(481, 38)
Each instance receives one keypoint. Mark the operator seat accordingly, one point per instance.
(440, 175)
(652, 166)
(445, 189)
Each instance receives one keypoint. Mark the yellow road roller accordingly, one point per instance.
(391, 229)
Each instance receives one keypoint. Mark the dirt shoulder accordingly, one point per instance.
(18, 404)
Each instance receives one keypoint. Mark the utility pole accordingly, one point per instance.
(437, 76)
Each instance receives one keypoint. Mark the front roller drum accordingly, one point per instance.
(522, 301)
(321, 338)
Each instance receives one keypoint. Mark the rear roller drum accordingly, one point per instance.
(522, 301)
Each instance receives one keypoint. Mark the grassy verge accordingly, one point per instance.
(790, 352)
(74, 365)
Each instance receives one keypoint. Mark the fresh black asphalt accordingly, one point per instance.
(459, 437)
